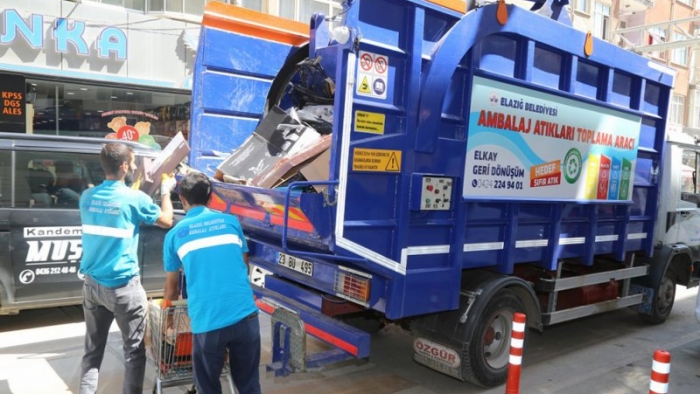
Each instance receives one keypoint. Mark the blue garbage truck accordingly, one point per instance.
(480, 163)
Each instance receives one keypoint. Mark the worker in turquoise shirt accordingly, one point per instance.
(212, 250)
(111, 214)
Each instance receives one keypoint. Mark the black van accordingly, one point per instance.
(41, 178)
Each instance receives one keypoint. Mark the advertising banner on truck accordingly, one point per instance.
(523, 143)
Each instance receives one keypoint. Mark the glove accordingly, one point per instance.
(167, 184)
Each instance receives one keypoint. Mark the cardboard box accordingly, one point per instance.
(278, 136)
(150, 171)
(290, 165)
(318, 169)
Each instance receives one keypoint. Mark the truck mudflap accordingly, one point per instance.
(290, 323)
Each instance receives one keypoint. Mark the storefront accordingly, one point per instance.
(91, 69)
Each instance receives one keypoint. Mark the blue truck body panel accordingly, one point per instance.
(435, 60)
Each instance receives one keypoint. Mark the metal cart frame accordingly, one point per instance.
(170, 333)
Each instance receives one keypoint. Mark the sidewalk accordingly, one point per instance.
(40, 353)
(31, 364)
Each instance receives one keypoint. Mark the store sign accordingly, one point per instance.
(111, 42)
(12, 103)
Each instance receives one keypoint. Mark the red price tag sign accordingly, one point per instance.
(128, 133)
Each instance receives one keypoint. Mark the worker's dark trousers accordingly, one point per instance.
(242, 340)
(101, 305)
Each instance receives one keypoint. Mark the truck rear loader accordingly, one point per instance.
(481, 163)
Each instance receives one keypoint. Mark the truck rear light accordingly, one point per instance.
(352, 286)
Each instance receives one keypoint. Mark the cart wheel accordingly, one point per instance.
(191, 391)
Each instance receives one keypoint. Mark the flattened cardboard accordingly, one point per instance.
(318, 169)
(150, 171)
(277, 136)
(286, 167)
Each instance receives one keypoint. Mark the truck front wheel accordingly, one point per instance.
(664, 297)
(486, 359)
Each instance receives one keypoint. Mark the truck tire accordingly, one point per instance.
(664, 297)
(485, 360)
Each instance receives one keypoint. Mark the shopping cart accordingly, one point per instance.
(170, 335)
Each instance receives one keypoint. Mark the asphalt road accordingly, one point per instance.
(606, 354)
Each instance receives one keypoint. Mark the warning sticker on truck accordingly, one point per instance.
(377, 160)
(372, 75)
(369, 122)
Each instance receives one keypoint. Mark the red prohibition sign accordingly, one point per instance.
(380, 64)
(366, 61)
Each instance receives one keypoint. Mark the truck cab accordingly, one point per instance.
(41, 179)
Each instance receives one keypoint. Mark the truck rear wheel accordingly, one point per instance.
(486, 359)
(664, 297)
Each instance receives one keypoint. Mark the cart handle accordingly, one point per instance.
(168, 303)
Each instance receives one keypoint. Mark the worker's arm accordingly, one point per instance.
(172, 286)
(245, 260)
(165, 220)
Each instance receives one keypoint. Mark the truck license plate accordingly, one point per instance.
(295, 263)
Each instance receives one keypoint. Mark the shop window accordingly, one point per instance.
(149, 117)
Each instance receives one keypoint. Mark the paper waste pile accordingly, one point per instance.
(285, 147)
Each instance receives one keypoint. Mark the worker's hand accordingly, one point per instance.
(167, 184)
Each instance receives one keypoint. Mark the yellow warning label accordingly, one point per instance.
(378, 160)
(364, 86)
(369, 122)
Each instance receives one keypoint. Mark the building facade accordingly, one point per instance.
(108, 68)
(93, 67)
(665, 31)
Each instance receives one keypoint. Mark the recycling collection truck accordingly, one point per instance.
(481, 163)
